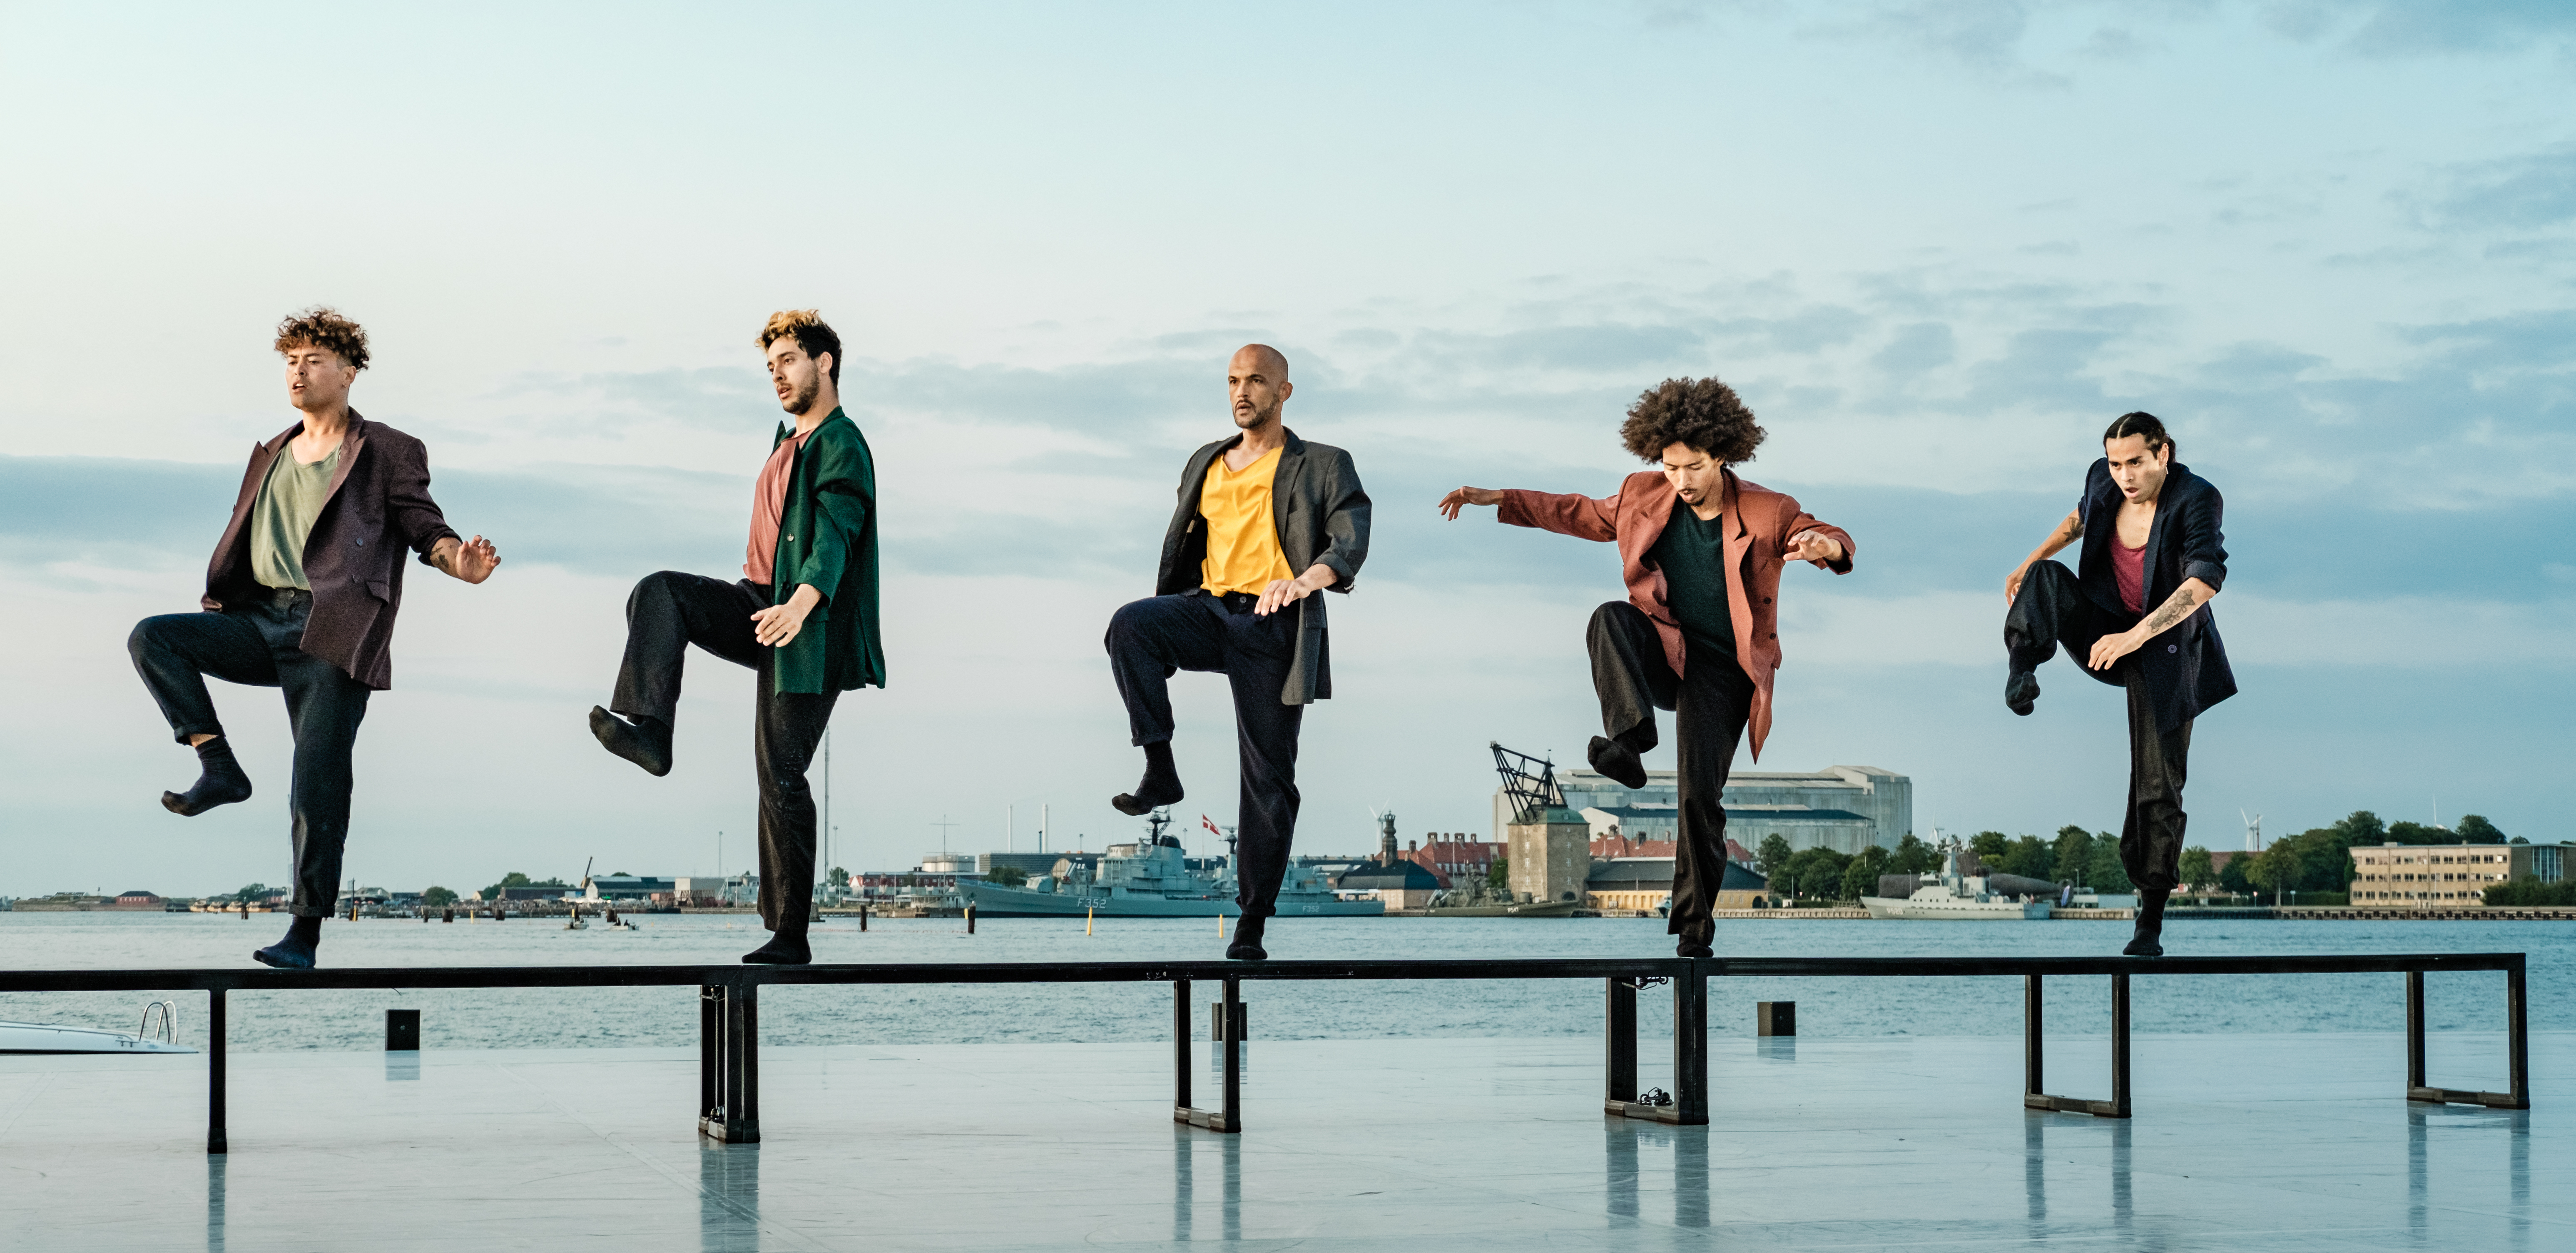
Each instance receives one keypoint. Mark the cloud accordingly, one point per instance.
(2527, 192)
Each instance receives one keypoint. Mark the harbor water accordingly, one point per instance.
(507, 1018)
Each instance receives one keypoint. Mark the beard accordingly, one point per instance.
(1256, 418)
(800, 399)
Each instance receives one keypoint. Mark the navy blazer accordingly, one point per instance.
(2186, 666)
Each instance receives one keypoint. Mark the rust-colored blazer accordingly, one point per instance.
(378, 505)
(1757, 523)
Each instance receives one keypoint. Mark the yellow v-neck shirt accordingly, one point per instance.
(1243, 541)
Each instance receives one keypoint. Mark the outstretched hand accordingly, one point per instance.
(472, 560)
(777, 626)
(1815, 547)
(1465, 496)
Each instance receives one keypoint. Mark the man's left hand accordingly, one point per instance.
(1815, 547)
(1282, 591)
(776, 626)
(472, 561)
(2111, 648)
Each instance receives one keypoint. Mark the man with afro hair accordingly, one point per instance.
(1701, 550)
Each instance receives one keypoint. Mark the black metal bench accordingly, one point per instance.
(728, 1000)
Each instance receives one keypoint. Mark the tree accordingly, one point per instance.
(2475, 829)
(1860, 878)
(438, 896)
(1989, 846)
(1773, 855)
(1913, 856)
(2196, 868)
(2106, 874)
(514, 879)
(1007, 876)
(2531, 891)
(1816, 872)
(2231, 876)
(1499, 875)
(2074, 850)
(252, 892)
(2029, 857)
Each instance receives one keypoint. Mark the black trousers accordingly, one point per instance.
(260, 644)
(2052, 611)
(668, 612)
(1150, 639)
(1710, 705)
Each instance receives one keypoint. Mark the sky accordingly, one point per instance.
(1936, 247)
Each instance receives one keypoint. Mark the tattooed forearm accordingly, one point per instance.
(2176, 608)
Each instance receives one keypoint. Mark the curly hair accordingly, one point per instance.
(1703, 413)
(322, 327)
(811, 333)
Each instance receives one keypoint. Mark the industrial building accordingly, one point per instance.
(1844, 808)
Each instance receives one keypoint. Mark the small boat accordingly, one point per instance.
(28, 1037)
(1504, 909)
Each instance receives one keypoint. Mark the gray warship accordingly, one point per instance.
(1152, 878)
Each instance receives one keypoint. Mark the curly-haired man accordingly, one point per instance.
(1701, 550)
(803, 619)
(301, 595)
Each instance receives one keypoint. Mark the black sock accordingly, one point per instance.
(304, 930)
(1161, 785)
(220, 781)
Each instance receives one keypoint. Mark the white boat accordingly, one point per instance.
(28, 1037)
(1984, 897)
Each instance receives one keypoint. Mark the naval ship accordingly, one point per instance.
(1981, 896)
(1151, 879)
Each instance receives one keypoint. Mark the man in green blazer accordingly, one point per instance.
(803, 616)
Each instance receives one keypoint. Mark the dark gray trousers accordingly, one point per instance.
(2051, 612)
(260, 644)
(1710, 705)
(1150, 639)
(668, 612)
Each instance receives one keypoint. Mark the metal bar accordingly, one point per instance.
(1163, 972)
(1619, 1043)
(748, 996)
(218, 1140)
(1233, 1059)
(2414, 1029)
(1690, 1046)
(2517, 1037)
(1181, 1045)
(2119, 1046)
(2031, 1083)
(710, 1053)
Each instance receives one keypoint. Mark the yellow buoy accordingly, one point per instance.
(1086, 921)
(1220, 926)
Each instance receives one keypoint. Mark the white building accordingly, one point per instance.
(1844, 808)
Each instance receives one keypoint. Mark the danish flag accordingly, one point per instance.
(1205, 821)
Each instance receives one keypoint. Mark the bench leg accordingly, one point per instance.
(729, 1063)
(217, 1140)
(2035, 1097)
(2517, 1050)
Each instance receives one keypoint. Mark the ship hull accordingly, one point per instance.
(1957, 910)
(992, 900)
(1546, 909)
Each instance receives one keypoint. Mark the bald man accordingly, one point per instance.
(1265, 521)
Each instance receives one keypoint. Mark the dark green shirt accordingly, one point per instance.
(1692, 555)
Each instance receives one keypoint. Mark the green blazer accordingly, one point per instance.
(827, 536)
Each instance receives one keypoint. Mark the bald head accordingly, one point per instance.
(1257, 380)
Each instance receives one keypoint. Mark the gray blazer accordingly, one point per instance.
(1322, 515)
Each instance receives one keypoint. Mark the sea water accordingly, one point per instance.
(1476, 1009)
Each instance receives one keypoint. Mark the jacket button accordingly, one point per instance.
(2173, 648)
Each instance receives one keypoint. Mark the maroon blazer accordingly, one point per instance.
(1757, 523)
(378, 502)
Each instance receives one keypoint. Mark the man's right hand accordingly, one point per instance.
(2012, 582)
(1465, 496)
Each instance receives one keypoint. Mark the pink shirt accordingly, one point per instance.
(768, 505)
(2128, 566)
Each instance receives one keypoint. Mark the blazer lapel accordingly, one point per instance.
(352, 442)
(1283, 485)
(1739, 542)
(2149, 594)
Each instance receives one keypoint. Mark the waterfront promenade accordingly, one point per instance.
(2255, 1142)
